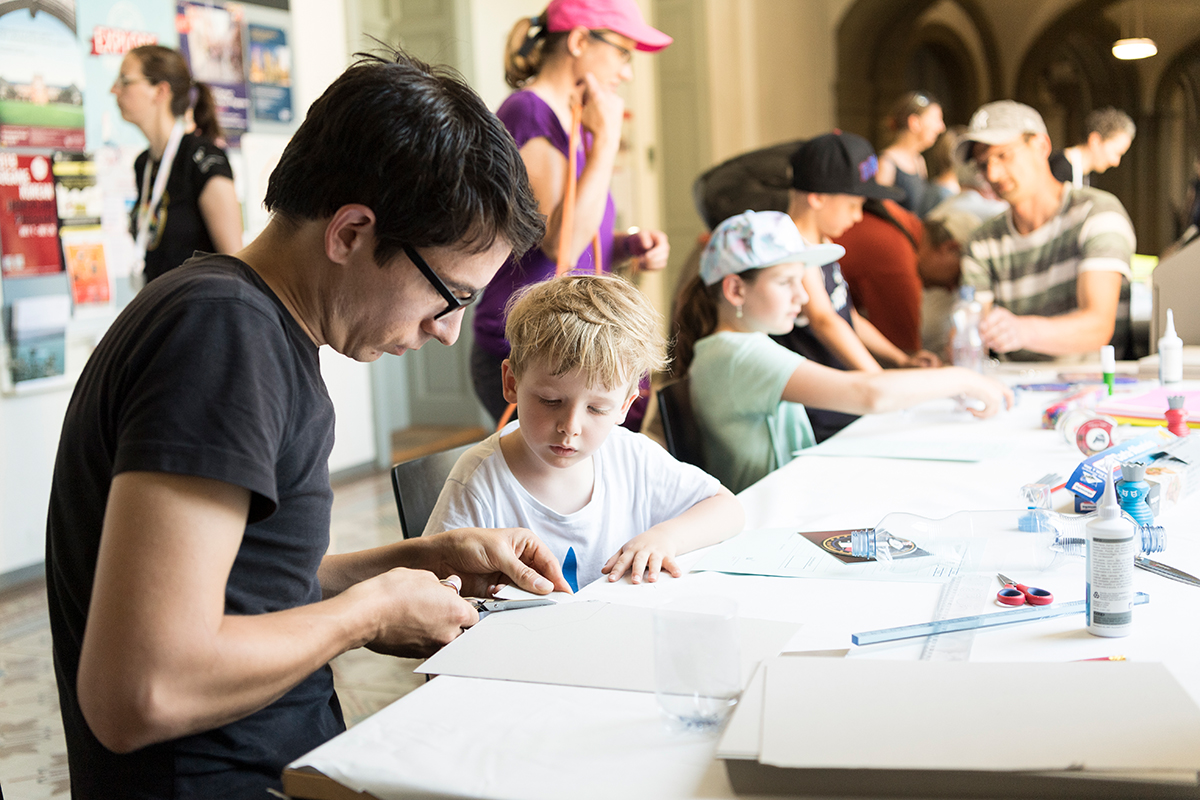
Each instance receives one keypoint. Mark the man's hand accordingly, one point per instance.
(1001, 331)
(485, 558)
(415, 613)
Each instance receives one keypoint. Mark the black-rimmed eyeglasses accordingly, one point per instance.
(626, 53)
(453, 301)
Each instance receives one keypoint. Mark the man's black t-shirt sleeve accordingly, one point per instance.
(209, 405)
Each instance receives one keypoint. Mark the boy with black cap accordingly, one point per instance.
(832, 175)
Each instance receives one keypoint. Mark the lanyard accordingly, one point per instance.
(151, 202)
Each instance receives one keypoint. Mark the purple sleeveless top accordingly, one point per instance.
(527, 117)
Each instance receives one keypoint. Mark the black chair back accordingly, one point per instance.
(417, 484)
(679, 423)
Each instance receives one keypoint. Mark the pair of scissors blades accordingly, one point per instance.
(1141, 562)
(1018, 594)
(488, 605)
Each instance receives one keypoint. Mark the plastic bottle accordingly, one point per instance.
(1070, 533)
(966, 345)
(986, 540)
(965, 541)
(1131, 492)
(1170, 354)
(1111, 546)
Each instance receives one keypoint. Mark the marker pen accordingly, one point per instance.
(1108, 366)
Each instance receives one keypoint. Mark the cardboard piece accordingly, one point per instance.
(571, 644)
(864, 726)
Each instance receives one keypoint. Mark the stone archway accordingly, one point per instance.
(1176, 140)
(884, 49)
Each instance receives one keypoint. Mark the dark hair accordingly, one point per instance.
(528, 45)
(942, 156)
(694, 317)
(418, 147)
(1108, 122)
(164, 65)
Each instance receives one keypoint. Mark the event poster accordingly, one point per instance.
(80, 209)
(28, 217)
(83, 251)
(41, 81)
(270, 73)
(210, 38)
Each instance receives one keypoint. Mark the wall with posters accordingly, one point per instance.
(56, 67)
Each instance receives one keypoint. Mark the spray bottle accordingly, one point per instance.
(1111, 546)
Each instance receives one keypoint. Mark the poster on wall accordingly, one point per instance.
(41, 82)
(38, 343)
(28, 217)
(80, 209)
(210, 38)
(270, 73)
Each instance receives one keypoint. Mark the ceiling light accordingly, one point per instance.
(1129, 49)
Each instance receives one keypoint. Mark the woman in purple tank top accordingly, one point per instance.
(575, 51)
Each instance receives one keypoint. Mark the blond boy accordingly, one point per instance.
(603, 499)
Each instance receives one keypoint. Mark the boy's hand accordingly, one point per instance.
(649, 553)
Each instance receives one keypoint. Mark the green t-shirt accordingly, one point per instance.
(737, 380)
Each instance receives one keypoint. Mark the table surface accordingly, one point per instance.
(487, 738)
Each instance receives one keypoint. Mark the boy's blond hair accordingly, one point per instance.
(600, 325)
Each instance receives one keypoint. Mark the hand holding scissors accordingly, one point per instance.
(1017, 594)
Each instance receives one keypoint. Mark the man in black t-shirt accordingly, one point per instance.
(193, 607)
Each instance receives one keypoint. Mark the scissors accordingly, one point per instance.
(490, 605)
(1016, 594)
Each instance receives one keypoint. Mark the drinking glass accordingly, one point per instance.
(696, 660)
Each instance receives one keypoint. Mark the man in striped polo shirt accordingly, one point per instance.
(1058, 261)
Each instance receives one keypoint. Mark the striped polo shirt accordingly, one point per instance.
(1036, 273)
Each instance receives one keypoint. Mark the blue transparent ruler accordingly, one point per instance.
(1023, 614)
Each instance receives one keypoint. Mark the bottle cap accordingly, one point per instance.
(1108, 358)
(968, 293)
(1170, 324)
(1133, 471)
(1109, 508)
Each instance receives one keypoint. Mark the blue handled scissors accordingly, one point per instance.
(1018, 594)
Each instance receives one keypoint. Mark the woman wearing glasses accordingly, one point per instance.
(576, 51)
(915, 122)
(191, 205)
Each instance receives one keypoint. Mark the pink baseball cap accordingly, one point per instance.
(619, 16)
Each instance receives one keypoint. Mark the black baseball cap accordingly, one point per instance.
(839, 163)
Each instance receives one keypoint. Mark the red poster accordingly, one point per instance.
(28, 217)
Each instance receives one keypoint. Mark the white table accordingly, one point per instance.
(502, 739)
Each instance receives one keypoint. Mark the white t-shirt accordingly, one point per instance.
(637, 485)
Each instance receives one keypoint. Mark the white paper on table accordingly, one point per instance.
(590, 644)
(909, 448)
(783, 552)
(1101, 716)
(460, 737)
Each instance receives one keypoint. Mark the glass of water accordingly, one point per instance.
(697, 665)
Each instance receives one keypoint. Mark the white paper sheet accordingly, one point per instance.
(785, 553)
(907, 447)
(591, 644)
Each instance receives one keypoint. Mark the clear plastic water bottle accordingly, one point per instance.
(973, 541)
(966, 345)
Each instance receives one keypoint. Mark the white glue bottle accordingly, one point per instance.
(1111, 547)
(1170, 354)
